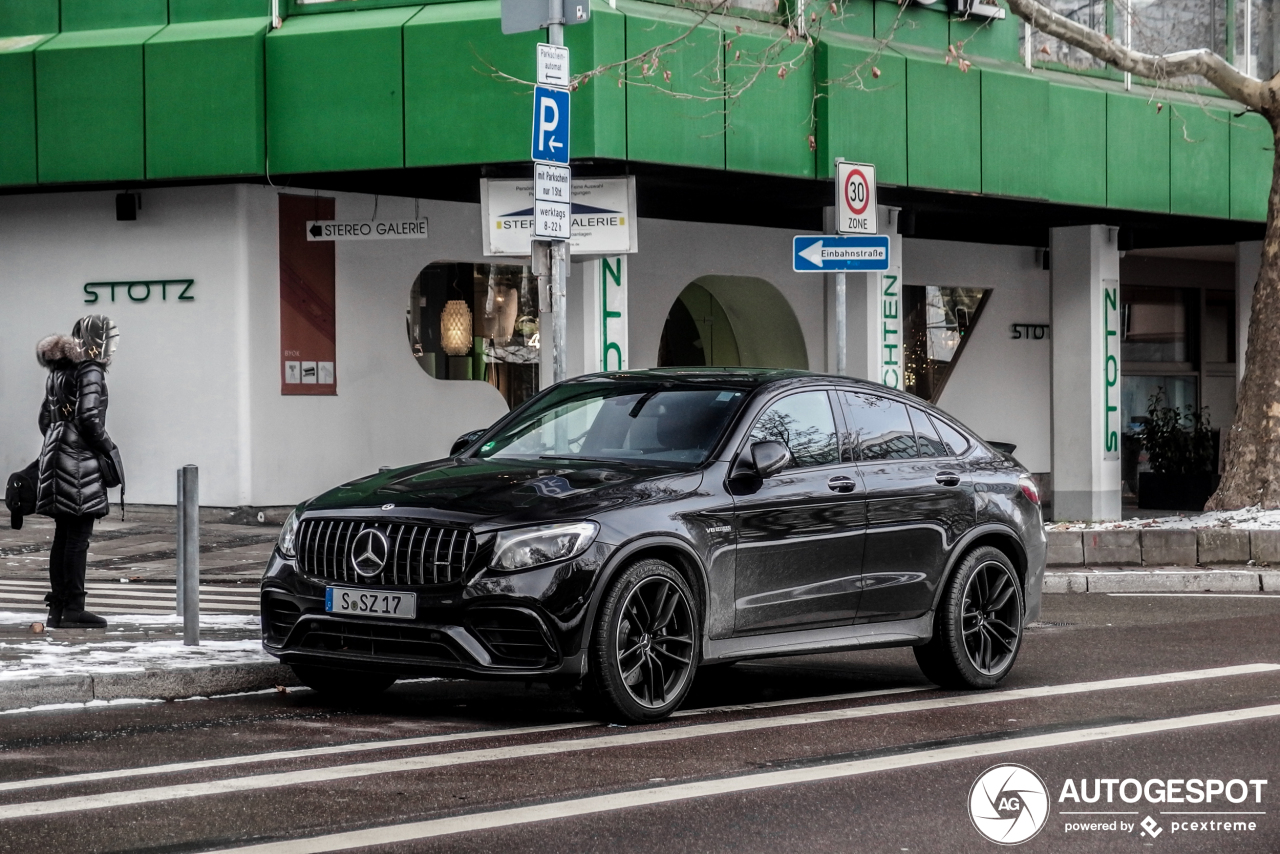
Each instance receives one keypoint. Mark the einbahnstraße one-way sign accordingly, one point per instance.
(823, 253)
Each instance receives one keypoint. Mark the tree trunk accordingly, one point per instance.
(1251, 473)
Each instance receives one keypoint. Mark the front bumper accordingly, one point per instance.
(518, 626)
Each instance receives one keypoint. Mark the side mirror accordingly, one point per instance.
(465, 440)
(762, 460)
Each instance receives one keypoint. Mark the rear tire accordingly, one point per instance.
(644, 646)
(978, 628)
(346, 685)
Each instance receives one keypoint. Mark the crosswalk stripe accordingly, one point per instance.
(138, 589)
(123, 598)
(131, 797)
(509, 817)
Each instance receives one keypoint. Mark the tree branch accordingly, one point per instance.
(1250, 91)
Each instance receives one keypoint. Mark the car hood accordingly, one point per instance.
(507, 491)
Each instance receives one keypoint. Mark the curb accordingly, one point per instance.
(1162, 581)
(176, 684)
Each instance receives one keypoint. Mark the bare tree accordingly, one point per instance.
(1251, 472)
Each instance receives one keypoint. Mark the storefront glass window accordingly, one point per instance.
(936, 324)
(1219, 326)
(501, 345)
(1135, 397)
(1155, 324)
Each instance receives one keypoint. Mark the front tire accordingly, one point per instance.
(644, 647)
(345, 685)
(978, 629)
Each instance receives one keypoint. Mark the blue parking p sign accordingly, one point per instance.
(550, 124)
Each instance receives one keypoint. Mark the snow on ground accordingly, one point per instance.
(1249, 517)
(50, 655)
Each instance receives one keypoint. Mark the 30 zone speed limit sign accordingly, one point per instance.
(855, 198)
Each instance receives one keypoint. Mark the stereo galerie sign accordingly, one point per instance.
(602, 212)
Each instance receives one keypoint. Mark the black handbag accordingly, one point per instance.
(112, 469)
(20, 494)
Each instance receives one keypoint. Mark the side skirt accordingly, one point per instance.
(860, 636)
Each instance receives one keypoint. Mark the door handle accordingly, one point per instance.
(840, 483)
(948, 478)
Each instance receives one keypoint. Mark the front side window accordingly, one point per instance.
(626, 422)
(804, 423)
(880, 428)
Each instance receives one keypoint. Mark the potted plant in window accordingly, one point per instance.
(1180, 451)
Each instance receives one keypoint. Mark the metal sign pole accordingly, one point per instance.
(559, 249)
(181, 551)
(842, 327)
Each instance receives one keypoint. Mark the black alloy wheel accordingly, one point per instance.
(978, 627)
(645, 646)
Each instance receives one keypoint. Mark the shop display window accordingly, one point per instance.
(1157, 324)
(477, 322)
(936, 324)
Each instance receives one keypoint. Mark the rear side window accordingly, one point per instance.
(953, 438)
(926, 437)
(880, 428)
(805, 424)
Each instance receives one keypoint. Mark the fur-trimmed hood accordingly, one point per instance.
(59, 348)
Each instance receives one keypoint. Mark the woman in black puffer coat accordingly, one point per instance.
(70, 487)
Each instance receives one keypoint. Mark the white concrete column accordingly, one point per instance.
(1248, 263)
(881, 312)
(604, 316)
(1086, 372)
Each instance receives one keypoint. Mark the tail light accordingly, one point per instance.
(1028, 487)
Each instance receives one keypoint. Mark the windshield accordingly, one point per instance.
(609, 421)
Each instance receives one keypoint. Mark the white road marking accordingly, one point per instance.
(627, 739)
(417, 741)
(1207, 595)
(743, 783)
(100, 603)
(20, 588)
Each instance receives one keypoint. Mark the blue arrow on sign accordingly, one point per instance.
(550, 124)
(820, 253)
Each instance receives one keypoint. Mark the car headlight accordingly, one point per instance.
(522, 548)
(287, 533)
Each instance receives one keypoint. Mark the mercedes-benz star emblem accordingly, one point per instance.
(369, 552)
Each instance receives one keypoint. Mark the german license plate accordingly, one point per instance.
(370, 603)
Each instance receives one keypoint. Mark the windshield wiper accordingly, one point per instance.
(583, 459)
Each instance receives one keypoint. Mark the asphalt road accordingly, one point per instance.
(843, 753)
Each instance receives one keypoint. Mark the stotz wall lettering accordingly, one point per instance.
(613, 300)
(890, 331)
(179, 289)
(1110, 369)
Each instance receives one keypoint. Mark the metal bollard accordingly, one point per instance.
(189, 554)
(177, 508)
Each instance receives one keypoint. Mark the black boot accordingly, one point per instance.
(80, 620)
(55, 617)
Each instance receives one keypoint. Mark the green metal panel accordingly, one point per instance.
(854, 18)
(1199, 160)
(770, 122)
(18, 109)
(456, 48)
(599, 126)
(290, 8)
(204, 85)
(110, 14)
(1137, 153)
(191, 11)
(1015, 134)
(862, 117)
(89, 105)
(28, 17)
(992, 38)
(944, 127)
(921, 26)
(1252, 159)
(335, 92)
(661, 128)
(1077, 145)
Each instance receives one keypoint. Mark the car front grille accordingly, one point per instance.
(279, 616)
(417, 554)
(376, 640)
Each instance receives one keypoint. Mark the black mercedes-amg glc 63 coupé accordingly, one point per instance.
(620, 530)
